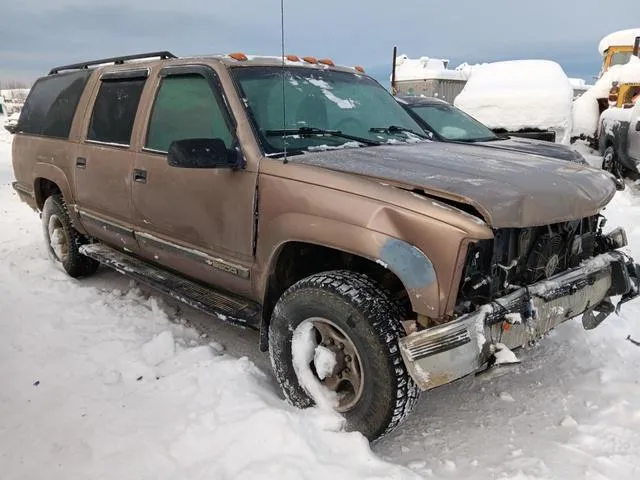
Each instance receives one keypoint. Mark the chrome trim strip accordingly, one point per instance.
(25, 190)
(107, 144)
(217, 263)
(115, 227)
(153, 150)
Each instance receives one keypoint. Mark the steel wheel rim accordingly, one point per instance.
(347, 377)
(58, 242)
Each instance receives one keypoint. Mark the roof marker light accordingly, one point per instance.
(238, 56)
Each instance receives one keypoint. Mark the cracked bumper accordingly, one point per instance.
(441, 354)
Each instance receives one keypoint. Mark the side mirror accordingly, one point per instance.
(203, 153)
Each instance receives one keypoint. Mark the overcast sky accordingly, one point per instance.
(38, 34)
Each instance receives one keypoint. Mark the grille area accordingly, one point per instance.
(518, 257)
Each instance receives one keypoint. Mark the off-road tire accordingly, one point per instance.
(74, 263)
(611, 163)
(367, 314)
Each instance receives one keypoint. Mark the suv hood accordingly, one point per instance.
(508, 188)
(537, 147)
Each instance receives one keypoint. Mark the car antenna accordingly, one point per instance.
(284, 104)
(394, 88)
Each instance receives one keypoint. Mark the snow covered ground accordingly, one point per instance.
(101, 380)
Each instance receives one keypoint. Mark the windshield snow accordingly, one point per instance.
(453, 124)
(323, 109)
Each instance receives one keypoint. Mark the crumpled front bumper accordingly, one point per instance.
(441, 354)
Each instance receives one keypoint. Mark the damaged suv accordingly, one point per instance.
(298, 198)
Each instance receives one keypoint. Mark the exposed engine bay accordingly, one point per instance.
(518, 257)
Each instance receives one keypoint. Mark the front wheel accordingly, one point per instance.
(334, 342)
(611, 163)
(63, 241)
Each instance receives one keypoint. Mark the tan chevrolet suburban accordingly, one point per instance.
(296, 197)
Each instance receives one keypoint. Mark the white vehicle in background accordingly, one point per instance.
(620, 140)
(526, 98)
(11, 102)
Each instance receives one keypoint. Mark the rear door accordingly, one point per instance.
(104, 163)
(194, 220)
(634, 133)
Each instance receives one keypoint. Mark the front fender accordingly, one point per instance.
(412, 266)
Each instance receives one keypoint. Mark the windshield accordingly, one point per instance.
(620, 58)
(323, 109)
(453, 124)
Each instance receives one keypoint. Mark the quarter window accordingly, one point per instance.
(115, 110)
(51, 104)
(186, 107)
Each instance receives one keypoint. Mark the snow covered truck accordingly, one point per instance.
(374, 264)
(615, 87)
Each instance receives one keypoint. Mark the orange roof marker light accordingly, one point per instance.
(359, 68)
(293, 58)
(310, 59)
(327, 61)
(241, 57)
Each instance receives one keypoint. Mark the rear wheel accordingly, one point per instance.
(63, 241)
(334, 342)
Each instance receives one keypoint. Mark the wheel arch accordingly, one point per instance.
(399, 267)
(49, 179)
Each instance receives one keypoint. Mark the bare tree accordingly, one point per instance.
(13, 84)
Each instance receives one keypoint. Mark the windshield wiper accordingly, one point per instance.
(312, 131)
(396, 129)
(475, 140)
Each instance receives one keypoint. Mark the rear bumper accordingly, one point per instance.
(441, 354)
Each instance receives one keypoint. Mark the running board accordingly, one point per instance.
(227, 307)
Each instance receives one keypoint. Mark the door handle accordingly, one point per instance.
(139, 175)
(81, 162)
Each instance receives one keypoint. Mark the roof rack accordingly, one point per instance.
(115, 60)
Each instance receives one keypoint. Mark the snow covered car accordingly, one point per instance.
(445, 123)
(373, 263)
(525, 98)
(620, 139)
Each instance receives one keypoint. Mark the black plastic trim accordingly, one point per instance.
(116, 60)
(125, 74)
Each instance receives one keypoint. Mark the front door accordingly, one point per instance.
(195, 220)
(104, 162)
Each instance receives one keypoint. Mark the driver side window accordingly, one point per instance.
(186, 107)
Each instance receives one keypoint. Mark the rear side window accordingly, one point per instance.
(51, 104)
(115, 110)
(186, 107)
